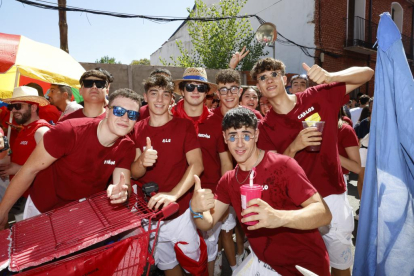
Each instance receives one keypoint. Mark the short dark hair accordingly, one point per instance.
(228, 76)
(65, 88)
(364, 99)
(302, 76)
(182, 84)
(109, 76)
(267, 64)
(125, 93)
(160, 71)
(93, 73)
(160, 81)
(239, 117)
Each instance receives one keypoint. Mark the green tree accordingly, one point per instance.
(215, 41)
(142, 61)
(107, 60)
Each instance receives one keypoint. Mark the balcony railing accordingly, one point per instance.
(361, 35)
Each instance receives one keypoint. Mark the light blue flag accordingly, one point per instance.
(385, 240)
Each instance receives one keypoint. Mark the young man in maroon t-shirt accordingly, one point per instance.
(194, 87)
(282, 130)
(94, 89)
(290, 209)
(168, 153)
(92, 152)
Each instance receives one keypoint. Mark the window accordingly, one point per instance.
(397, 15)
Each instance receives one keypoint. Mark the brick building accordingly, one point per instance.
(346, 32)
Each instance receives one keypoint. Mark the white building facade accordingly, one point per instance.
(294, 19)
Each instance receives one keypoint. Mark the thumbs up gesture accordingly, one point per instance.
(203, 199)
(149, 156)
(118, 193)
(317, 74)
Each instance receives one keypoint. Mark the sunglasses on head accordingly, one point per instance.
(98, 83)
(120, 111)
(16, 106)
(202, 88)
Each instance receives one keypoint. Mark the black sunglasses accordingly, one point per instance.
(202, 88)
(16, 106)
(120, 111)
(98, 83)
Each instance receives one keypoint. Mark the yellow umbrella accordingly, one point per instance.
(22, 56)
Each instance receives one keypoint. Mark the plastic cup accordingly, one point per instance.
(319, 125)
(248, 193)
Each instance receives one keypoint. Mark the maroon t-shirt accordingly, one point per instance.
(286, 187)
(212, 143)
(171, 141)
(259, 116)
(83, 166)
(79, 114)
(346, 138)
(278, 131)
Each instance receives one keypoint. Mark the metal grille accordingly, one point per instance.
(73, 227)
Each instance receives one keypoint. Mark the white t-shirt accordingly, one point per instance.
(355, 113)
(71, 107)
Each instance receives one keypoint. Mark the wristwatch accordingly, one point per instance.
(6, 144)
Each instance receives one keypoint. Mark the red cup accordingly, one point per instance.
(248, 193)
(319, 126)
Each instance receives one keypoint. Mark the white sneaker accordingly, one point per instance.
(240, 258)
(218, 264)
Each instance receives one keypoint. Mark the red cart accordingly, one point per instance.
(65, 236)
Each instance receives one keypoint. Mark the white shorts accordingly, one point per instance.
(363, 152)
(30, 209)
(231, 220)
(211, 239)
(338, 235)
(180, 229)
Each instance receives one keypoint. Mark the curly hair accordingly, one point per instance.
(228, 76)
(267, 64)
(160, 81)
(239, 117)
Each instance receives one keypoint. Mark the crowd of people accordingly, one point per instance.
(200, 155)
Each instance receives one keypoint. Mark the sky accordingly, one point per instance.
(93, 36)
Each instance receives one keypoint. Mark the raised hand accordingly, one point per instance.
(149, 156)
(317, 74)
(203, 199)
(237, 57)
(118, 193)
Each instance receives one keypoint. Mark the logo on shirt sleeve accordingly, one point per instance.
(166, 140)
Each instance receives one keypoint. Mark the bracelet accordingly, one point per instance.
(196, 214)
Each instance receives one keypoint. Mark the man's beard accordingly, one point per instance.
(25, 117)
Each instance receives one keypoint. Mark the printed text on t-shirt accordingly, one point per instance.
(306, 112)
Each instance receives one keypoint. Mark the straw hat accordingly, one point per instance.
(197, 74)
(26, 94)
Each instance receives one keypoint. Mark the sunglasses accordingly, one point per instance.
(98, 83)
(16, 106)
(120, 111)
(245, 137)
(273, 75)
(202, 88)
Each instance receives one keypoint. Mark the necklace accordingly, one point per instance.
(237, 169)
